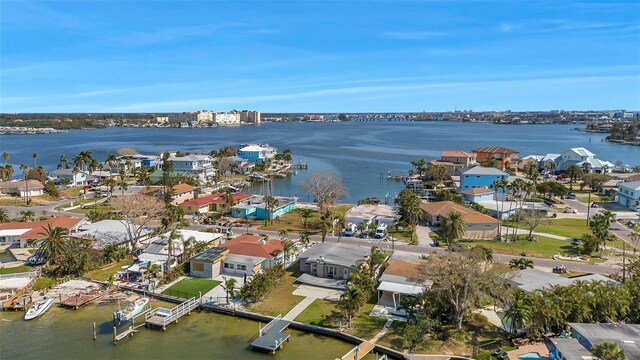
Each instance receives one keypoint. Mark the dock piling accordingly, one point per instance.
(115, 335)
(94, 331)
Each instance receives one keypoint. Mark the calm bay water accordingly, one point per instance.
(67, 334)
(361, 152)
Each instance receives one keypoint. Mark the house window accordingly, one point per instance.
(242, 267)
(226, 265)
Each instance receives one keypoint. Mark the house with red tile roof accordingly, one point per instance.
(250, 254)
(24, 233)
(477, 224)
(507, 158)
(215, 202)
(180, 192)
(458, 157)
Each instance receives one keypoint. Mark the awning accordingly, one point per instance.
(401, 288)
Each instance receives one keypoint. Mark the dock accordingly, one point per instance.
(78, 300)
(271, 337)
(161, 317)
(131, 329)
(359, 351)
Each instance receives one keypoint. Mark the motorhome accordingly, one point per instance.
(381, 231)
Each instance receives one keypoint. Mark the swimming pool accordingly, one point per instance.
(530, 356)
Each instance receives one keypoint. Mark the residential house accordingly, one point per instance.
(215, 202)
(199, 165)
(29, 233)
(477, 224)
(458, 157)
(207, 264)
(157, 175)
(629, 194)
(478, 194)
(106, 232)
(236, 164)
(250, 254)
(158, 248)
(371, 214)
(256, 208)
(574, 156)
(597, 166)
(22, 188)
(401, 279)
(506, 157)
(257, 153)
(451, 167)
(74, 178)
(179, 194)
(585, 336)
(542, 162)
(480, 177)
(147, 161)
(530, 280)
(331, 261)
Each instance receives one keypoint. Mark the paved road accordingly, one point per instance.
(48, 209)
(424, 250)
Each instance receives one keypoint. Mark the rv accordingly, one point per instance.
(351, 229)
(381, 231)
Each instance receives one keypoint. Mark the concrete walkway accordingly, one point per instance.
(423, 236)
(298, 309)
(381, 333)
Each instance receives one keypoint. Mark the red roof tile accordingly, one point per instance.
(39, 227)
(443, 208)
(494, 150)
(455, 153)
(252, 245)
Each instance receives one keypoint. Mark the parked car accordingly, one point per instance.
(570, 210)
(570, 196)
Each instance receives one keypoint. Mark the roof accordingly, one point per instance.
(494, 150)
(405, 273)
(191, 157)
(178, 189)
(571, 349)
(215, 198)
(533, 279)
(106, 232)
(20, 184)
(634, 185)
(477, 191)
(597, 163)
(214, 254)
(35, 229)
(481, 170)
(443, 163)
(371, 211)
(456, 153)
(625, 335)
(66, 172)
(253, 245)
(444, 208)
(582, 152)
(336, 254)
(404, 289)
(253, 148)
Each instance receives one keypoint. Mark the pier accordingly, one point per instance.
(79, 300)
(130, 330)
(359, 351)
(271, 336)
(161, 317)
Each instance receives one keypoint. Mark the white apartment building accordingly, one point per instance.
(200, 165)
(251, 117)
(226, 118)
(199, 117)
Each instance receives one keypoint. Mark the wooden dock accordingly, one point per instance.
(161, 317)
(359, 351)
(131, 329)
(78, 300)
(271, 336)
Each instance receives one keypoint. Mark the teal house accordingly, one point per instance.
(255, 208)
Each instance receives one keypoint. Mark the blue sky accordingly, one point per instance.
(318, 56)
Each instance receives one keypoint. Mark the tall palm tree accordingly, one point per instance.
(521, 263)
(229, 287)
(270, 204)
(63, 161)
(5, 157)
(25, 173)
(172, 241)
(305, 214)
(519, 312)
(287, 248)
(304, 239)
(453, 228)
(573, 172)
(4, 216)
(326, 224)
(54, 245)
(27, 215)
(228, 199)
(35, 158)
(376, 259)
(497, 186)
(8, 170)
(283, 234)
(608, 350)
(351, 301)
(412, 212)
(340, 222)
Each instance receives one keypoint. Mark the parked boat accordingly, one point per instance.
(133, 308)
(38, 308)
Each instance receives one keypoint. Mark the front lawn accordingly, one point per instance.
(188, 288)
(281, 299)
(573, 228)
(293, 222)
(42, 283)
(14, 270)
(544, 248)
(104, 273)
(404, 235)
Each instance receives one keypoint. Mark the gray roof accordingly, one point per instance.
(106, 232)
(634, 185)
(533, 279)
(571, 349)
(481, 170)
(625, 335)
(336, 254)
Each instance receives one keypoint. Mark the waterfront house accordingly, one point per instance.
(207, 264)
(506, 157)
(74, 178)
(401, 279)
(157, 175)
(250, 254)
(480, 177)
(22, 188)
(106, 232)
(541, 162)
(597, 166)
(236, 164)
(257, 153)
(458, 157)
(629, 194)
(147, 161)
(215, 202)
(331, 261)
(477, 224)
(531, 280)
(179, 194)
(197, 164)
(371, 214)
(477, 195)
(574, 156)
(158, 248)
(256, 208)
(29, 233)
(451, 167)
(585, 336)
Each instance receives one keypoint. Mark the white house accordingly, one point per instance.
(629, 194)
(22, 188)
(200, 165)
(574, 156)
(106, 232)
(79, 178)
(598, 166)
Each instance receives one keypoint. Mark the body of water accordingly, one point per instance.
(360, 152)
(67, 334)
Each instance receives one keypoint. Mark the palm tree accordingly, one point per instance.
(573, 172)
(8, 170)
(283, 234)
(54, 245)
(608, 350)
(5, 157)
(187, 247)
(27, 215)
(35, 158)
(63, 162)
(229, 287)
(270, 203)
(521, 264)
(351, 301)
(453, 228)
(172, 239)
(4, 216)
(305, 214)
(498, 185)
(304, 239)
(25, 173)
(228, 198)
(340, 222)
(287, 248)
(376, 259)
(109, 183)
(519, 312)
(326, 224)
(362, 227)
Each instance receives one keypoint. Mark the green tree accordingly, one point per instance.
(350, 302)
(288, 248)
(304, 239)
(376, 258)
(608, 350)
(305, 214)
(54, 245)
(271, 203)
(453, 228)
(519, 312)
(340, 222)
(4, 215)
(27, 215)
(326, 224)
(229, 287)
(574, 172)
(35, 159)
(521, 263)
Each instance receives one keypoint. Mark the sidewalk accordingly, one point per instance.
(423, 236)
(298, 309)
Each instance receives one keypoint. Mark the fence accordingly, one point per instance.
(210, 300)
(30, 274)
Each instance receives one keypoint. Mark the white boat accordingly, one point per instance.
(132, 309)
(38, 308)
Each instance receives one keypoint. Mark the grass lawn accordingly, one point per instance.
(544, 248)
(326, 314)
(594, 198)
(404, 235)
(573, 228)
(21, 201)
(187, 288)
(281, 299)
(14, 270)
(73, 191)
(292, 221)
(106, 272)
(43, 283)
(101, 208)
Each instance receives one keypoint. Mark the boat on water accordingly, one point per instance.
(38, 308)
(133, 308)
